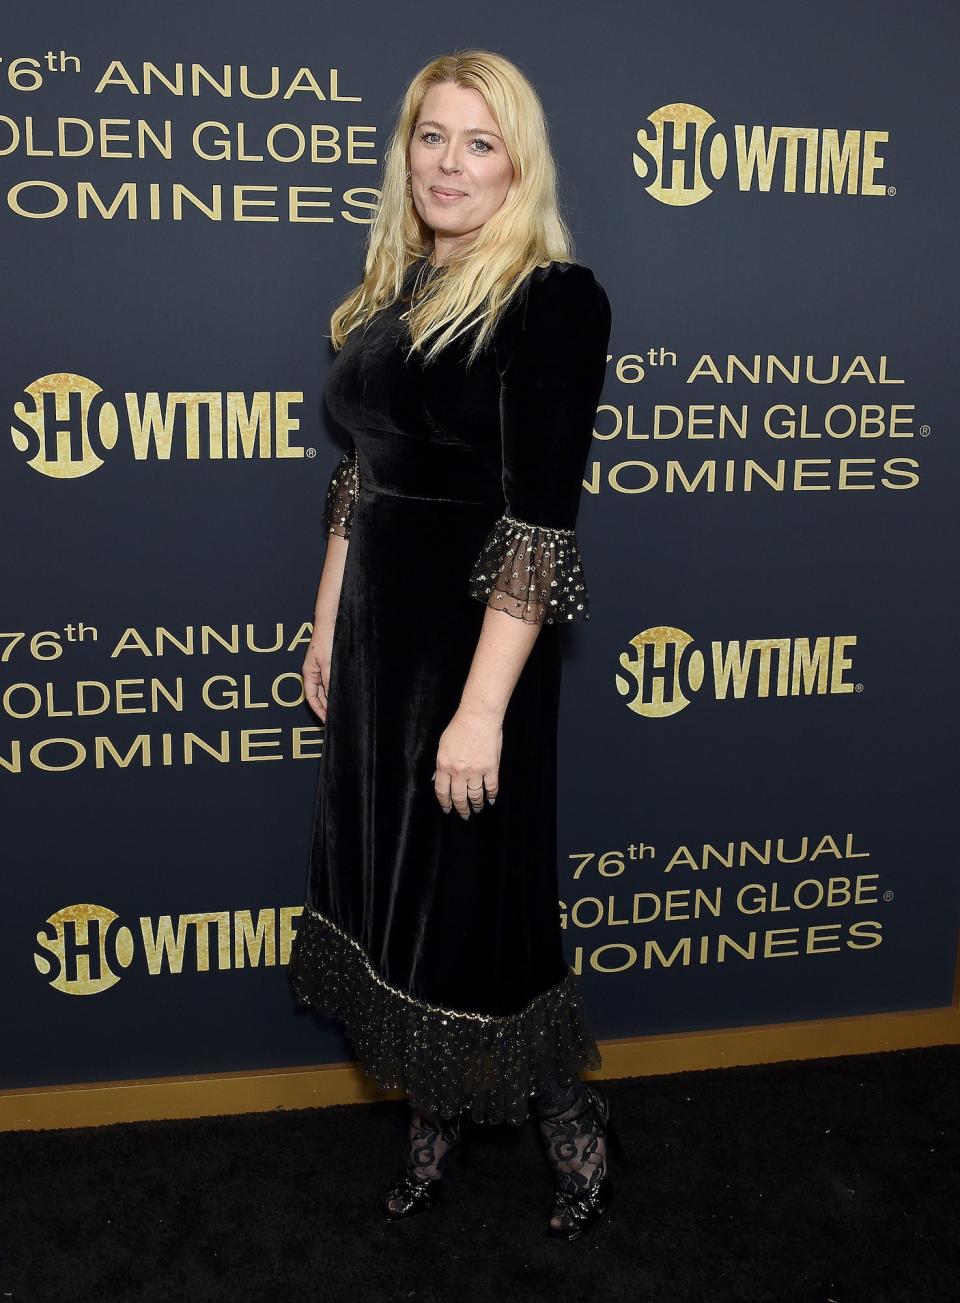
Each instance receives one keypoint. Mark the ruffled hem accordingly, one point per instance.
(445, 1060)
(342, 495)
(532, 572)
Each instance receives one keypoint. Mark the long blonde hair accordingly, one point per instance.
(527, 230)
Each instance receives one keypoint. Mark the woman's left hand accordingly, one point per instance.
(468, 762)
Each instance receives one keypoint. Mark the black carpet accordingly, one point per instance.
(832, 1179)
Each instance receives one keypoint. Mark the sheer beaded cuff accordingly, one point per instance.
(342, 495)
(532, 572)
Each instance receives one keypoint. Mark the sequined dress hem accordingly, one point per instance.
(444, 1060)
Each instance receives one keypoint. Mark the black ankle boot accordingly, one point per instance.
(416, 1187)
(576, 1128)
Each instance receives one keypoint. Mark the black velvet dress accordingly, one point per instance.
(436, 940)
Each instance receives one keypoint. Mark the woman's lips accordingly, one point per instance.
(447, 195)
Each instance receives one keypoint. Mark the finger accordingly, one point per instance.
(314, 691)
(475, 795)
(441, 787)
(491, 784)
(458, 794)
(320, 697)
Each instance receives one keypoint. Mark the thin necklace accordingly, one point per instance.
(416, 287)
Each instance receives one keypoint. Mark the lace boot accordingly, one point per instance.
(574, 1121)
(416, 1187)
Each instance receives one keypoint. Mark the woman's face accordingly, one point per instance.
(459, 168)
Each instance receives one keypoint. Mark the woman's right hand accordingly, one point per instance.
(316, 671)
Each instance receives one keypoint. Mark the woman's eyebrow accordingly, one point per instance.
(470, 131)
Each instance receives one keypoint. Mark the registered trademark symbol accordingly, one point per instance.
(888, 895)
(311, 452)
(924, 431)
(891, 189)
(858, 687)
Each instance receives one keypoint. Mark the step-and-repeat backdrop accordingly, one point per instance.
(758, 720)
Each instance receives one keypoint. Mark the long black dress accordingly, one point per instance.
(434, 939)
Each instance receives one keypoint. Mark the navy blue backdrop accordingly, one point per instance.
(757, 721)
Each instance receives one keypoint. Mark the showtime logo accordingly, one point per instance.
(67, 427)
(664, 667)
(686, 151)
(83, 949)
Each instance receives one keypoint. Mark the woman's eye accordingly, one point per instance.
(424, 135)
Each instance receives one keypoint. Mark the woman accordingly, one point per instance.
(470, 364)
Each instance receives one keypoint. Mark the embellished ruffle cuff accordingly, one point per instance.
(532, 572)
(342, 495)
(444, 1060)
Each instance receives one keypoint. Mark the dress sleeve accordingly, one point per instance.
(342, 495)
(551, 353)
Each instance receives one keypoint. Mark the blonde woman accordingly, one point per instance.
(469, 367)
